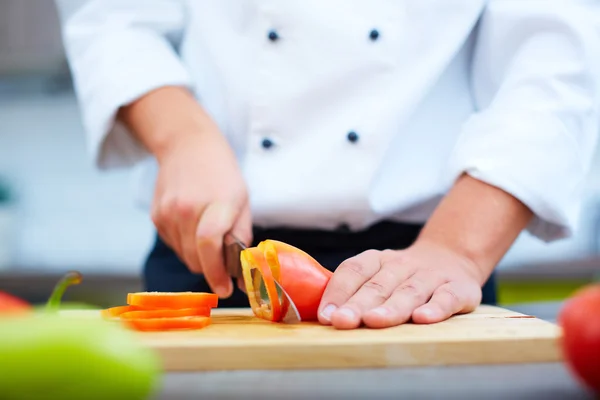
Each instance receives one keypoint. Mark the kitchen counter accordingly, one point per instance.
(541, 381)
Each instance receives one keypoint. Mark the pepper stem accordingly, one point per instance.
(70, 278)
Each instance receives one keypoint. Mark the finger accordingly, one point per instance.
(447, 300)
(216, 220)
(166, 231)
(242, 228)
(241, 285)
(398, 308)
(347, 279)
(186, 217)
(374, 292)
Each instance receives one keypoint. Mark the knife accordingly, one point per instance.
(232, 247)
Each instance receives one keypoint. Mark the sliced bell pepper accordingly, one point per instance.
(301, 276)
(175, 300)
(167, 324)
(166, 313)
(115, 312)
(260, 285)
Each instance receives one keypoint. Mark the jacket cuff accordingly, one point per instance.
(533, 158)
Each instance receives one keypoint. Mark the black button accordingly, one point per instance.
(352, 137)
(343, 228)
(374, 35)
(267, 143)
(273, 36)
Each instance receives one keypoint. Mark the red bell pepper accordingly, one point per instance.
(300, 275)
(10, 304)
(579, 319)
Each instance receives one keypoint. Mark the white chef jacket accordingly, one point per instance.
(344, 113)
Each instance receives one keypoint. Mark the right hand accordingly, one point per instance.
(201, 195)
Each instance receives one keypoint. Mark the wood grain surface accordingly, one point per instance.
(236, 340)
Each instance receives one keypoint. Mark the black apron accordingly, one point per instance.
(164, 272)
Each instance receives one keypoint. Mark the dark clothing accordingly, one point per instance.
(163, 271)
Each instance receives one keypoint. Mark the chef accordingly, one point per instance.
(404, 144)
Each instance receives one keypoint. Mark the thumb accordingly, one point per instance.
(242, 227)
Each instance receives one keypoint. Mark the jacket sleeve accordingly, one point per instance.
(535, 80)
(118, 50)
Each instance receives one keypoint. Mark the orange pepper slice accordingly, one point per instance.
(168, 324)
(115, 312)
(253, 258)
(173, 300)
(167, 313)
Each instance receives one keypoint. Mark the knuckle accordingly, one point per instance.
(451, 294)
(341, 292)
(156, 214)
(413, 289)
(156, 218)
(208, 236)
(337, 291)
(390, 255)
(370, 254)
(354, 267)
(473, 295)
(377, 287)
(183, 207)
(165, 208)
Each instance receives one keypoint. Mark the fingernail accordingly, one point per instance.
(382, 311)
(346, 312)
(327, 311)
(427, 311)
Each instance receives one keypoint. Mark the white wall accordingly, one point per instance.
(73, 216)
(70, 215)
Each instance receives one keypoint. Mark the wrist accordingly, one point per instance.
(169, 118)
(172, 142)
(478, 222)
(476, 265)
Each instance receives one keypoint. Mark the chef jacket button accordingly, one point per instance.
(273, 36)
(267, 143)
(343, 228)
(352, 137)
(374, 34)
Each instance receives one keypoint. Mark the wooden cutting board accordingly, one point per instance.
(237, 340)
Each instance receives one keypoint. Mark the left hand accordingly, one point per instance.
(427, 283)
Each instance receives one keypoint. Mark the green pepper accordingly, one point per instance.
(44, 354)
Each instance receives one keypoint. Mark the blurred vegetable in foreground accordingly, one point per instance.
(580, 321)
(48, 355)
(12, 304)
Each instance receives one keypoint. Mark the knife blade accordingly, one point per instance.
(232, 247)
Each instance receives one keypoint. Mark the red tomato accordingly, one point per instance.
(10, 304)
(580, 322)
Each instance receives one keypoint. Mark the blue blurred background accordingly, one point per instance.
(58, 213)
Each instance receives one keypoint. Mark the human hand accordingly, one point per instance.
(427, 283)
(200, 195)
